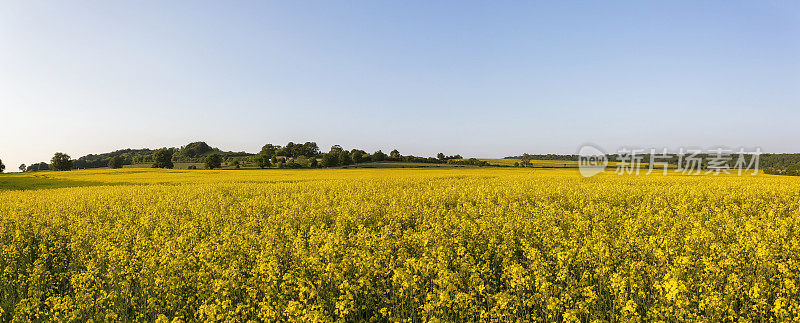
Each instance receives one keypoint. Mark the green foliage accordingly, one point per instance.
(262, 160)
(330, 159)
(192, 167)
(213, 161)
(468, 162)
(378, 156)
(162, 158)
(191, 153)
(2, 166)
(196, 152)
(292, 164)
(115, 162)
(291, 150)
(22, 167)
(395, 155)
(37, 167)
(129, 156)
(195, 149)
(294, 150)
(793, 170)
(359, 156)
(416, 159)
(780, 164)
(344, 158)
(543, 157)
(61, 162)
(269, 150)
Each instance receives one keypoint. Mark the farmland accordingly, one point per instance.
(534, 163)
(448, 244)
(542, 163)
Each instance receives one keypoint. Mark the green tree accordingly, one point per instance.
(2, 167)
(312, 162)
(115, 162)
(213, 161)
(441, 156)
(37, 167)
(526, 160)
(195, 149)
(344, 158)
(236, 163)
(395, 155)
(61, 162)
(262, 160)
(162, 158)
(358, 155)
(310, 149)
(330, 160)
(378, 156)
(269, 150)
(22, 167)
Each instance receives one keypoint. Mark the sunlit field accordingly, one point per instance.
(452, 244)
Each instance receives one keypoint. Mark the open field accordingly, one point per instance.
(393, 244)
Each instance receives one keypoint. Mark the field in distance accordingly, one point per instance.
(540, 163)
(452, 244)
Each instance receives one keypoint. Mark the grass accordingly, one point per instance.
(39, 181)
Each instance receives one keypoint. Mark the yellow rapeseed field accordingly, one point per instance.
(399, 245)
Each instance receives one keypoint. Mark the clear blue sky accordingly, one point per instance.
(484, 78)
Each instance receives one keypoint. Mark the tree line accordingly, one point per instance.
(291, 155)
(308, 155)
